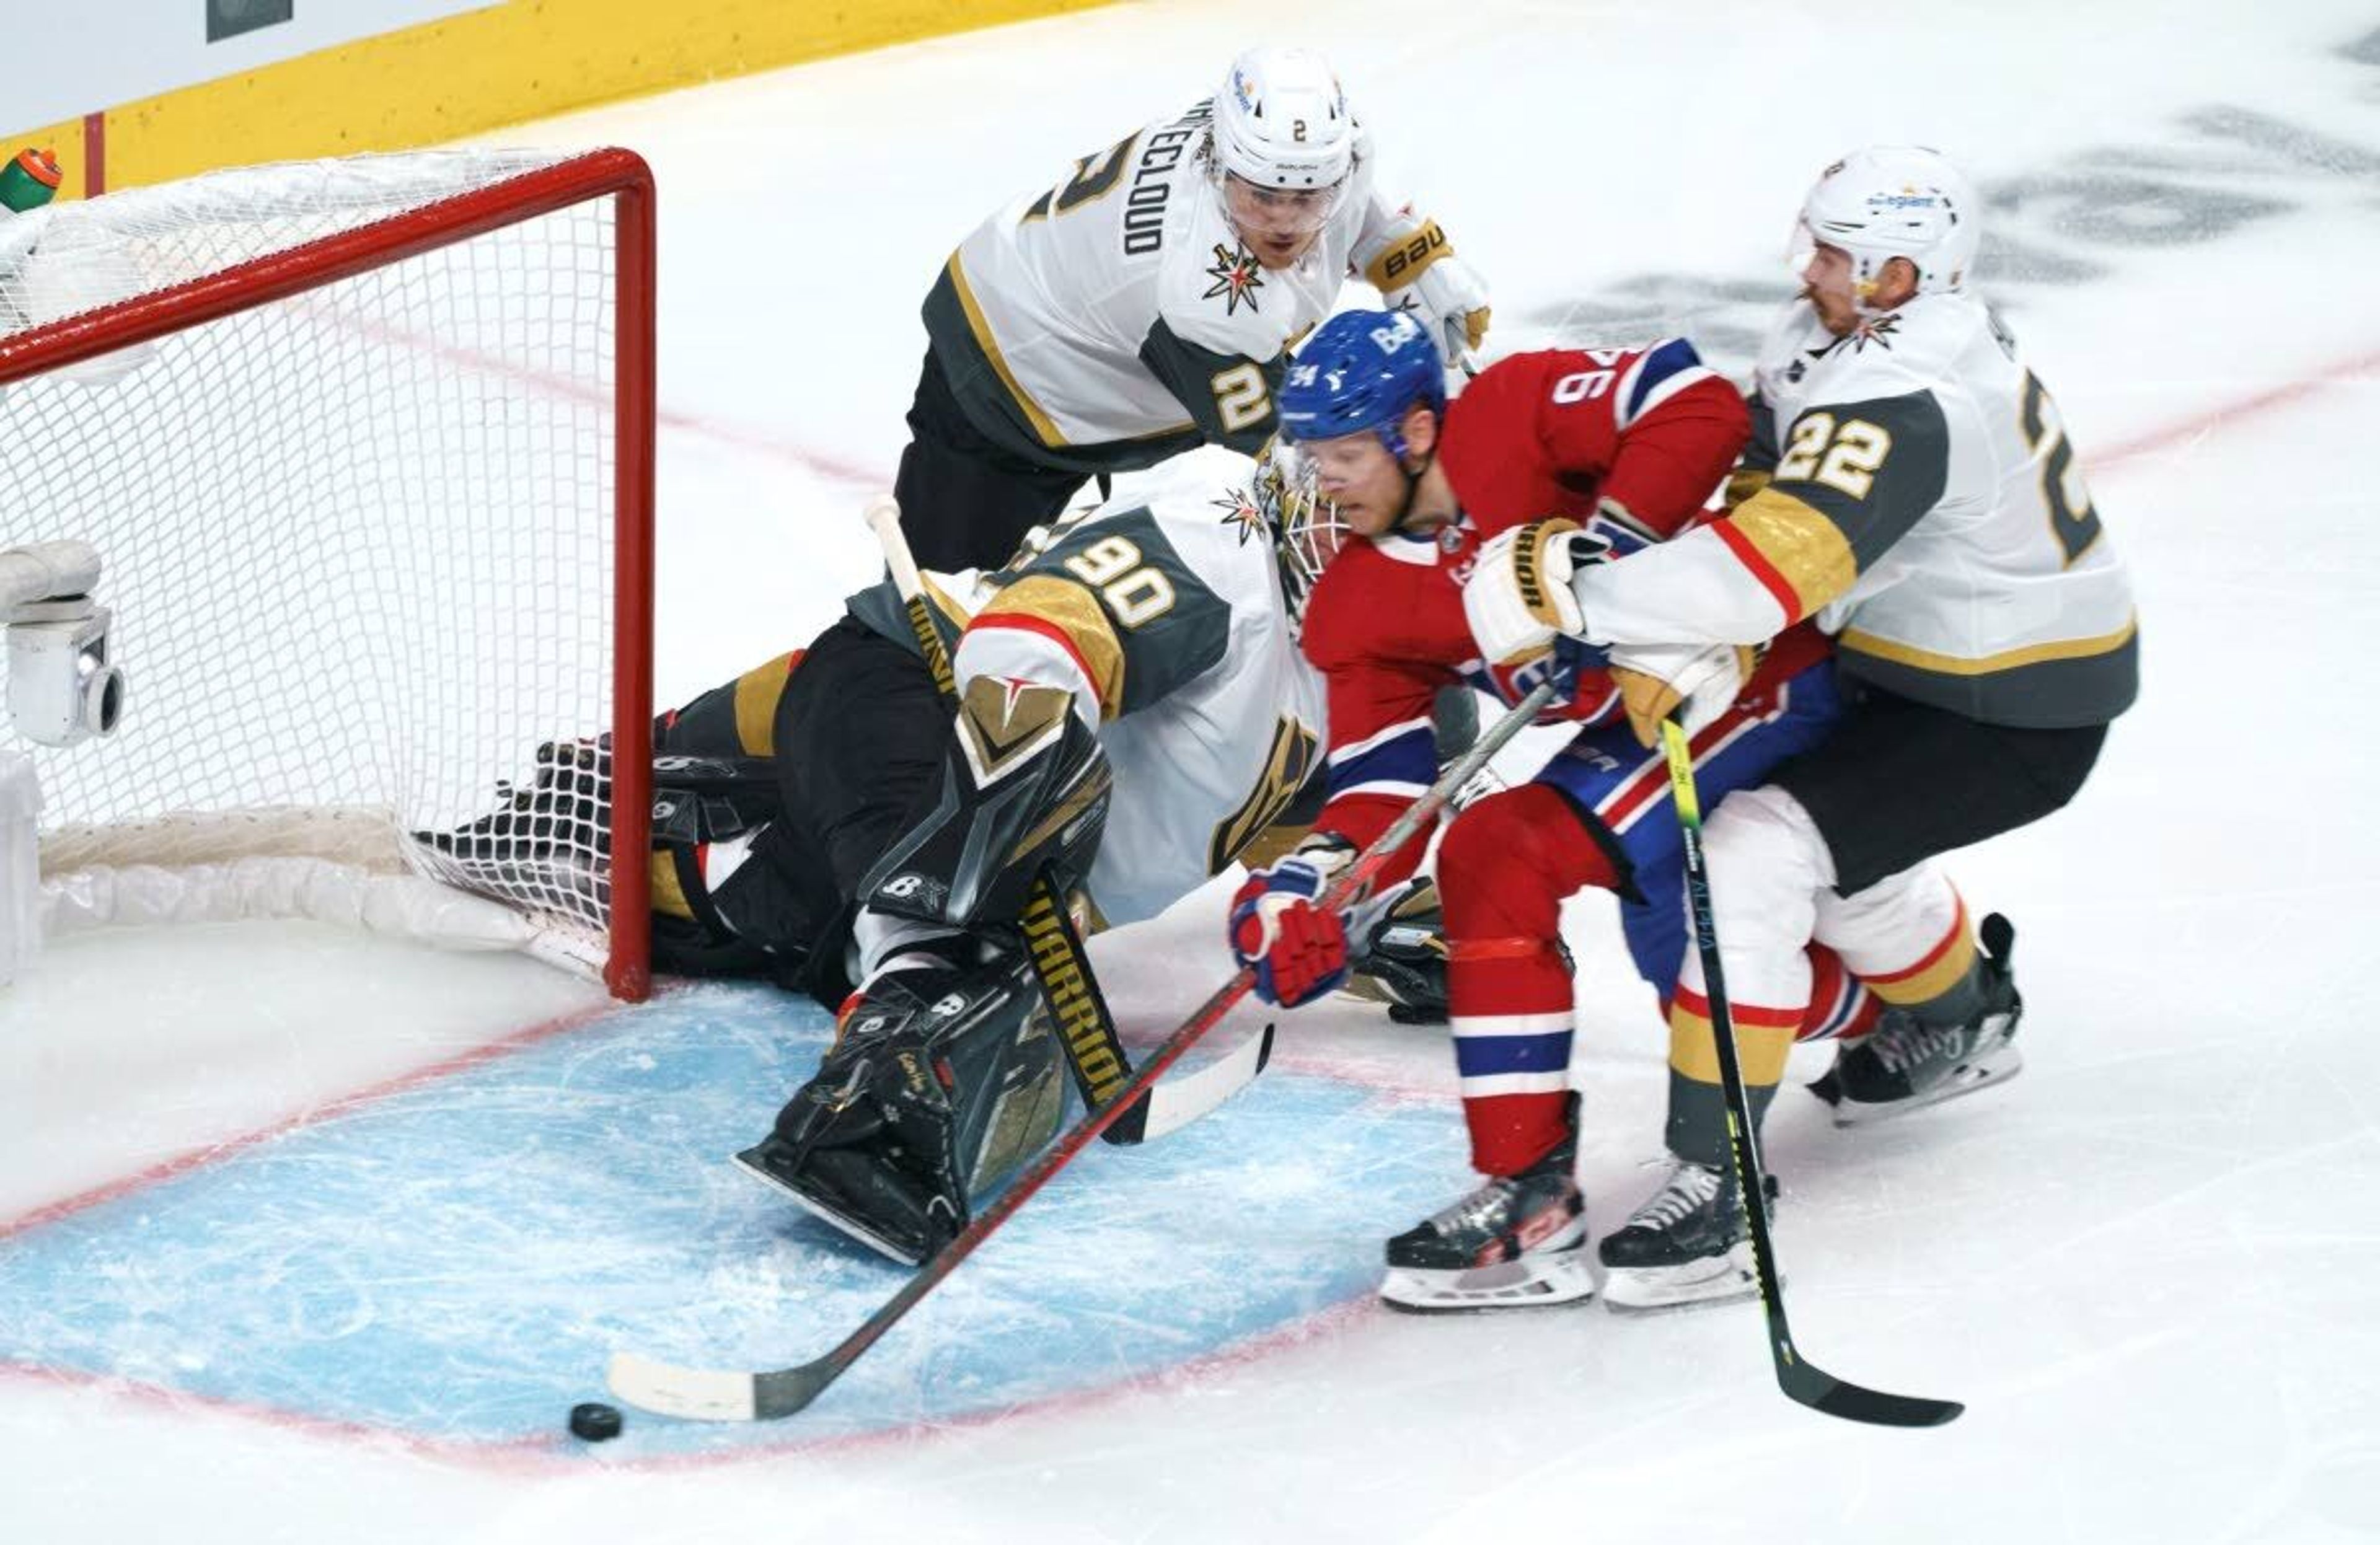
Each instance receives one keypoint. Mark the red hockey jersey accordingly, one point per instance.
(1631, 443)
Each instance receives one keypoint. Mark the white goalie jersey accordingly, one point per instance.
(1166, 620)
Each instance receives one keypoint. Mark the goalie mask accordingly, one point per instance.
(1308, 531)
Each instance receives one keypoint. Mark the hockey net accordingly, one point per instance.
(366, 448)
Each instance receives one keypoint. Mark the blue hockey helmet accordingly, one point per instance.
(1362, 370)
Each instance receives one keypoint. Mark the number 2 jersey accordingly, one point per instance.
(1116, 318)
(1166, 621)
(1922, 503)
(1630, 441)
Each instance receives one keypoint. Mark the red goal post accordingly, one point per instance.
(366, 447)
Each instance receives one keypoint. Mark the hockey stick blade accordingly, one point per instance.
(706, 1394)
(1809, 1386)
(1173, 1105)
(1823, 1391)
(700, 1395)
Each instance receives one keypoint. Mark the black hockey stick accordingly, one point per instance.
(1802, 1380)
(723, 1396)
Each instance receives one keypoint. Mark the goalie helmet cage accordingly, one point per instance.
(366, 446)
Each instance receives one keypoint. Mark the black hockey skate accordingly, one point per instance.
(543, 846)
(1904, 1064)
(566, 804)
(1517, 1242)
(1688, 1243)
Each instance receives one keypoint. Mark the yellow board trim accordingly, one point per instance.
(2006, 660)
(1808, 551)
(505, 64)
(1074, 612)
(1043, 425)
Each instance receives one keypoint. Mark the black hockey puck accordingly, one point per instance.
(595, 1421)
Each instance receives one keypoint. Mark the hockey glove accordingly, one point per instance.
(1519, 597)
(1451, 299)
(1581, 691)
(1697, 682)
(1297, 948)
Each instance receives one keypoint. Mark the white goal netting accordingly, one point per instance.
(361, 541)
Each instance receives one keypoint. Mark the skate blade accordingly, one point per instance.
(1508, 1285)
(1637, 1289)
(749, 1162)
(1997, 1067)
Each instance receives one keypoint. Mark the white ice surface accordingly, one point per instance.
(2146, 1265)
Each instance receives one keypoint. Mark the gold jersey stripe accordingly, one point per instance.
(2006, 660)
(1076, 613)
(668, 897)
(1924, 987)
(1807, 551)
(1043, 425)
(1742, 484)
(1760, 1050)
(757, 691)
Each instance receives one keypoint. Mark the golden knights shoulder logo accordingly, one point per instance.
(1237, 277)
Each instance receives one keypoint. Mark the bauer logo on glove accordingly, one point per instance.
(1518, 599)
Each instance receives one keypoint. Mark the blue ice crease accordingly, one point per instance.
(458, 1259)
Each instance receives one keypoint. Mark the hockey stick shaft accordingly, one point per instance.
(1798, 1379)
(782, 1393)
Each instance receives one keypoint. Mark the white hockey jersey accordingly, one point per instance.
(1924, 502)
(1166, 620)
(1117, 317)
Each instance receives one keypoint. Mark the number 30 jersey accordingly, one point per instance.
(1117, 317)
(1923, 502)
(1166, 621)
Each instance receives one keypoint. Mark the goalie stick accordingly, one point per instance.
(705, 1395)
(1802, 1380)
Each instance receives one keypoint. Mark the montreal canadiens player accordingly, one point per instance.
(1147, 303)
(1920, 502)
(1615, 449)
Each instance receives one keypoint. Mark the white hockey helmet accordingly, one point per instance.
(1889, 202)
(1282, 122)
